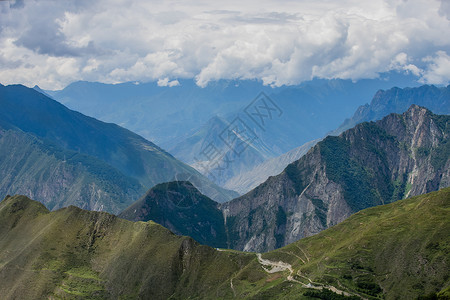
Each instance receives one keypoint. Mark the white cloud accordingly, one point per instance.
(280, 42)
(167, 82)
(438, 71)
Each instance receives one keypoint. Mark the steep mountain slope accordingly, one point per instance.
(180, 207)
(397, 251)
(371, 164)
(34, 113)
(396, 100)
(59, 177)
(211, 154)
(244, 182)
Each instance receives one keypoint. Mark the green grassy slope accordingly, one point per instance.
(396, 251)
(77, 254)
(399, 250)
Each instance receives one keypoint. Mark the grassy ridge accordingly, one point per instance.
(396, 251)
(399, 250)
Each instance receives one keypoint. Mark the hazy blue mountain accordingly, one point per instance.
(38, 89)
(208, 151)
(298, 115)
(165, 115)
(161, 114)
(396, 100)
(131, 154)
(58, 177)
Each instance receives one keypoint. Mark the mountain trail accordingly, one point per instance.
(304, 253)
(283, 266)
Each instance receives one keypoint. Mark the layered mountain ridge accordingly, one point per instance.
(397, 100)
(182, 119)
(372, 164)
(127, 164)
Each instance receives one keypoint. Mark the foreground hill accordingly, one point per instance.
(371, 164)
(400, 250)
(29, 111)
(396, 251)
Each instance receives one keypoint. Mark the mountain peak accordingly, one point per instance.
(414, 108)
(176, 205)
(371, 164)
(23, 204)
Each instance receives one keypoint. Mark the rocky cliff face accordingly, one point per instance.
(372, 164)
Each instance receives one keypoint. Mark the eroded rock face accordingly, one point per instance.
(372, 164)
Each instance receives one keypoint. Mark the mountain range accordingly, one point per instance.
(79, 160)
(371, 164)
(394, 100)
(165, 114)
(397, 100)
(383, 252)
(187, 120)
(312, 217)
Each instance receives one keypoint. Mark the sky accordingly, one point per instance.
(280, 42)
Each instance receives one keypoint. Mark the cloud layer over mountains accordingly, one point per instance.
(53, 43)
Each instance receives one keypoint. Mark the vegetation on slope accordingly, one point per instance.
(59, 177)
(132, 155)
(400, 250)
(180, 207)
(396, 251)
(372, 164)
